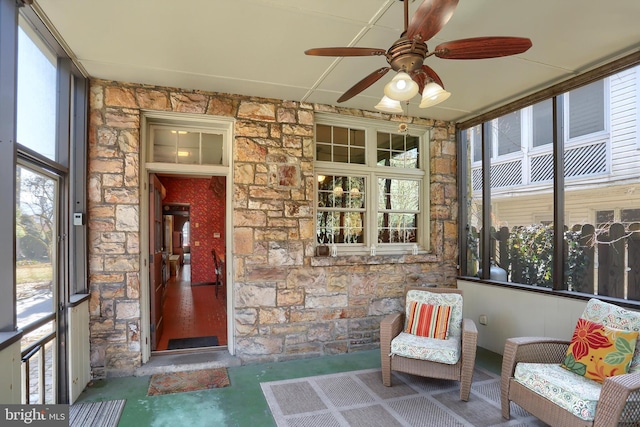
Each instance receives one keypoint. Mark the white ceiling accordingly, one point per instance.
(256, 47)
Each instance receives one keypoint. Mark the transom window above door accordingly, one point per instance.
(187, 146)
(186, 143)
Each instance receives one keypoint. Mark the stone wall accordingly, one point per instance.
(288, 303)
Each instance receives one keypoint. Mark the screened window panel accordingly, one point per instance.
(508, 134)
(37, 94)
(475, 140)
(542, 126)
(586, 109)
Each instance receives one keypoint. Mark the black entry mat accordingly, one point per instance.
(178, 343)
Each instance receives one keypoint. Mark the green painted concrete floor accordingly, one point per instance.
(242, 403)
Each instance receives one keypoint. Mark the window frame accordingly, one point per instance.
(464, 155)
(372, 171)
(69, 164)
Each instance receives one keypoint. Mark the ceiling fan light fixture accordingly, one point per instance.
(401, 87)
(433, 94)
(389, 105)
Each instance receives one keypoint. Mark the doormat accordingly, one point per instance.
(195, 342)
(178, 382)
(96, 414)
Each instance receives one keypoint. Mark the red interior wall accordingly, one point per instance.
(207, 210)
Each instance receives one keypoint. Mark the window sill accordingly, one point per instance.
(77, 299)
(327, 261)
(635, 305)
(8, 338)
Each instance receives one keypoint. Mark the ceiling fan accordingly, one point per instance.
(407, 54)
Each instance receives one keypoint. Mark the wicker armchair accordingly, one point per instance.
(618, 402)
(466, 331)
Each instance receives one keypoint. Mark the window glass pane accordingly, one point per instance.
(586, 109)
(473, 143)
(604, 218)
(339, 144)
(384, 141)
(36, 236)
(164, 145)
(188, 148)
(323, 133)
(341, 204)
(521, 234)
(189, 144)
(398, 151)
(340, 154)
(323, 152)
(340, 135)
(398, 207)
(357, 138)
(628, 216)
(474, 139)
(397, 228)
(507, 133)
(37, 88)
(542, 126)
(211, 149)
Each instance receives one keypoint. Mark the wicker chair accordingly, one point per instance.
(466, 331)
(618, 402)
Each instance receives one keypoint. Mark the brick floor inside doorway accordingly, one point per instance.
(192, 311)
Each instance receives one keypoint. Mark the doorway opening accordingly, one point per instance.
(191, 312)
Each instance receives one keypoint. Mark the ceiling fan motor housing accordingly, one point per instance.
(406, 55)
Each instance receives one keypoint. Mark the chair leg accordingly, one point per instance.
(385, 360)
(465, 389)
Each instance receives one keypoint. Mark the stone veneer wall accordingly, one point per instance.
(288, 303)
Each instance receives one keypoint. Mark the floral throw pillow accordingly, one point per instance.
(426, 320)
(598, 352)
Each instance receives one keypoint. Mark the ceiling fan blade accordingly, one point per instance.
(364, 83)
(430, 17)
(345, 51)
(482, 47)
(423, 75)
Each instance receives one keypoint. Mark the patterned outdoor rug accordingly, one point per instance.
(178, 382)
(96, 414)
(359, 398)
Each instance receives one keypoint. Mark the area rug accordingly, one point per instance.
(195, 342)
(178, 382)
(96, 414)
(359, 398)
